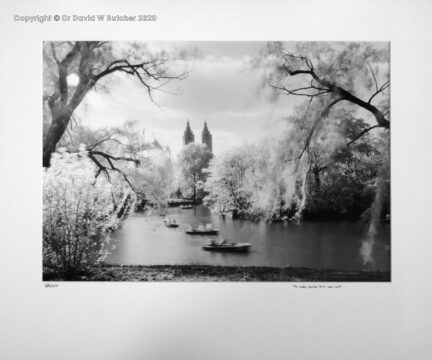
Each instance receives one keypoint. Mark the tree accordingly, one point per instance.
(244, 183)
(91, 62)
(78, 211)
(106, 147)
(155, 181)
(193, 159)
(225, 187)
(338, 180)
(353, 77)
(331, 75)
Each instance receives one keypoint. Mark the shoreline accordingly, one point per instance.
(217, 273)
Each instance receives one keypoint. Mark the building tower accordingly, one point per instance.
(206, 137)
(188, 136)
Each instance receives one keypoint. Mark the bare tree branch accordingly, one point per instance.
(306, 112)
(362, 133)
(54, 53)
(330, 87)
(380, 90)
(323, 115)
(98, 142)
(63, 71)
(373, 74)
(151, 73)
(105, 169)
(297, 93)
(110, 157)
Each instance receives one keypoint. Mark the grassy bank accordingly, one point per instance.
(217, 273)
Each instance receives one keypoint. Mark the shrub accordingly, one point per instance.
(78, 211)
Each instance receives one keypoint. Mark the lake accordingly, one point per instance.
(144, 240)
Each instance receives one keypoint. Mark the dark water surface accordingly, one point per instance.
(144, 240)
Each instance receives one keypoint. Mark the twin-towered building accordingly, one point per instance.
(206, 136)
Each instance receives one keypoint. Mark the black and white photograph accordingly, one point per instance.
(215, 180)
(216, 161)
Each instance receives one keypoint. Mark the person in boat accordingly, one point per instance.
(223, 242)
(212, 242)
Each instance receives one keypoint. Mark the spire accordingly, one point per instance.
(188, 136)
(206, 137)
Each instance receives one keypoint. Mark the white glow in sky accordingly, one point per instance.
(73, 80)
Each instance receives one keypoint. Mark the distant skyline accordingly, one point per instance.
(220, 89)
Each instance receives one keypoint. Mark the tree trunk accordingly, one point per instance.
(194, 189)
(125, 208)
(317, 178)
(55, 132)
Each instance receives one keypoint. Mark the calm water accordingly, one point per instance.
(144, 239)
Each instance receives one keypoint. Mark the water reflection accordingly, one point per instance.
(144, 239)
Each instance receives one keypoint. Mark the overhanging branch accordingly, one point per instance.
(112, 167)
(362, 133)
(306, 68)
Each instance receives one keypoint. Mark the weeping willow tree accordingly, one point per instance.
(90, 189)
(330, 79)
(92, 63)
(72, 70)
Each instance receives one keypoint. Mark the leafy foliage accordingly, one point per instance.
(330, 181)
(78, 211)
(145, 166)
(227, 185)
(193, 159)
(247, 182)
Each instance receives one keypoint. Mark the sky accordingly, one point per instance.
(221, 88)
